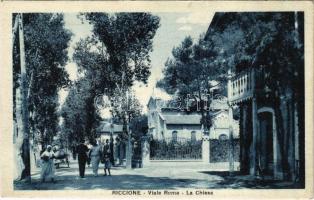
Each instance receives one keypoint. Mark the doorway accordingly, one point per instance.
(265, 143)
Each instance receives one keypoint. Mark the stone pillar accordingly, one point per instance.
(206, 148)
(230, 139)
(129, 151)
(145, 151)
(230, 118)
(116, 153)
(278, 175)
(255, 129)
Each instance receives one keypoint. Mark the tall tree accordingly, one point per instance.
(118, 52)
(45, 41)
(21, 132)
(78, 112)
(127, 39)
(120, 44)
(189, 72)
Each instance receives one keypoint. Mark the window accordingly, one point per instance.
(223, 137)
(174, 136)
(193, 136)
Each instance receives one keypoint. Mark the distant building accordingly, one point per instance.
(106, 128)
(165, 122)
(184, 134)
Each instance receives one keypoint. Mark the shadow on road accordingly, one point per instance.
(67, 179)
(106, 182)
(238, 180)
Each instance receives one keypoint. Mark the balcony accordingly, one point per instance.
(241, 87)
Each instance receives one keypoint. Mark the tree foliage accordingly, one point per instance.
(46, 42)
(110, 61)
(127, 38)
(80, 118)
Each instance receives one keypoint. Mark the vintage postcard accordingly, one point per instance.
(157, 99)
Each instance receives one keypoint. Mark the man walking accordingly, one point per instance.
(81, 151)
(107, 152)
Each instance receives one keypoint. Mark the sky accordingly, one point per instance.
(174, 27)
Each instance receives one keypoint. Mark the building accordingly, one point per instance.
(269, 133)
(172, 125)
(105, 130)
(271, 104)
(166, 122)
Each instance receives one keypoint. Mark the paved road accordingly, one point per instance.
(154, 177)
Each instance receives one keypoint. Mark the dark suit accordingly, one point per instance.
(82, 150)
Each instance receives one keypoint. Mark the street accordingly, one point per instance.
(162, 177)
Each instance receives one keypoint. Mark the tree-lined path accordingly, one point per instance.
(114, 60)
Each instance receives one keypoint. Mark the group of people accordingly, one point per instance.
(95, 154)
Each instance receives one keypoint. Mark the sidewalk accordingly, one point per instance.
(162, 177)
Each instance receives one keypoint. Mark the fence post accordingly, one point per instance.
(145, 151)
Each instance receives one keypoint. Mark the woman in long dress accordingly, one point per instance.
(47, 167)
(95, 154)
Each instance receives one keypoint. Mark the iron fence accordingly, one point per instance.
(178, 149)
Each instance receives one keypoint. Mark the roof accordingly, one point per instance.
(107, 128)
(183, 119)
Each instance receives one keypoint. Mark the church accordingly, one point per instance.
(172, 125)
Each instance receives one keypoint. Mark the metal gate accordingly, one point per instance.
(179, 149)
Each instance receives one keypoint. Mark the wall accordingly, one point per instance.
(183, 131)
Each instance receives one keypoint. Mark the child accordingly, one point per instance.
(107, 164)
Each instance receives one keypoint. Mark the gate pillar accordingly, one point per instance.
(145, 151)
(205, 149)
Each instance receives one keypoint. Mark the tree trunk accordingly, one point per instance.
(281, 132)
(18, 136)
(23, 121)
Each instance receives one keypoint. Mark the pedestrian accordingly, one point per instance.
(95, 154)
(106, 153)
(81, 151)
(89, 146)
(73, 152)
(47, 166)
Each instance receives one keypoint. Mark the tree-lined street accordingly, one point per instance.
(234, 117)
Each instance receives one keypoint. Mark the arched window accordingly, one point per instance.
(193, 136)
(223, 137)
(174, 136)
